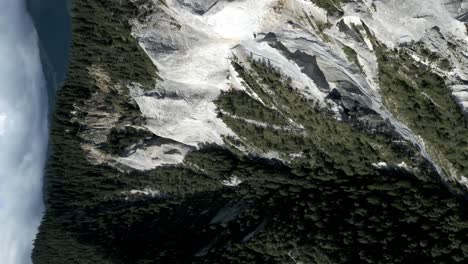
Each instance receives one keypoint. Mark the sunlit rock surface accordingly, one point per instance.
(330, 59)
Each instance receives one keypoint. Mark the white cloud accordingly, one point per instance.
(23, 133)
(3, 124)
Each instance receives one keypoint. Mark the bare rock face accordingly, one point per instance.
(331, 60)
(199, 6)
(458, 8)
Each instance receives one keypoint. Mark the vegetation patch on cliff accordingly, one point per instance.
(422, 100)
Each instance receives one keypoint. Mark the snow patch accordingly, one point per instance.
(351, 21)
(195, 68)
(232, 182)
(237, 20)
(189, 119)
(404, 21)
(403, 165)
(150, 192)
(380, 165)
(460, 92)
(154, 156)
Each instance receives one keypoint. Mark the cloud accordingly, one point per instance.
(23, 133)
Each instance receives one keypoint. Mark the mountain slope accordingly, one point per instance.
(268, 131)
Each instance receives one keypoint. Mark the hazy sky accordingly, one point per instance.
(23, 133)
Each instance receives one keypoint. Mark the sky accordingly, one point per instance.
(23, 133)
